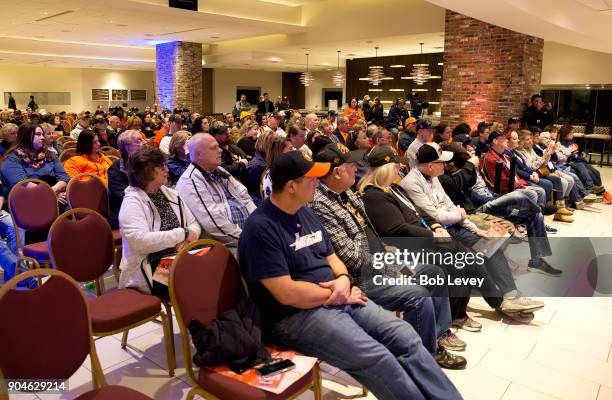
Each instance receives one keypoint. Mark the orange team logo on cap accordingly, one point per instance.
(318, 170)
(388, 158)
(342, 148)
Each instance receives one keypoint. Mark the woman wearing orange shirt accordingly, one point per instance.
(88, 158)
(353, 112)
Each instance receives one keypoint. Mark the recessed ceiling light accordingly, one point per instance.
(369, 41)
(39, 37)
(149, 35)
(215, 37)
(66, 30)
(121, 25)
(352, 55)
(438, 47)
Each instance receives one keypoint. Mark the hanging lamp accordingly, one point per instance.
(306, 78)
(376, 74)
(337, 76)
(420, 72)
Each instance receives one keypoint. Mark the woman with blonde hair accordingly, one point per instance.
(257, 166)
(179, 156)
(248, 138)
(280, 145)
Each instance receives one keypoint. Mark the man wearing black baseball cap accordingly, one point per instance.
(306, 298)
(81, 126)
(514, 123)
(483, 136)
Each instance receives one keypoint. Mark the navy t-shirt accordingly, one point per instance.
(274, 243)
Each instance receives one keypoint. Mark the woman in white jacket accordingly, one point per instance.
(154, 221)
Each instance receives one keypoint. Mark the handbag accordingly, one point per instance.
(543, 171)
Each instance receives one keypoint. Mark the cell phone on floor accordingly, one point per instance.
(275, 367)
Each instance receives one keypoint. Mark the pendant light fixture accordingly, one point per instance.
(376, 75)
(420, 72)
(306, 78)
(337, 76)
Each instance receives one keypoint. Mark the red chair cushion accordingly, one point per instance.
(113, 392)
(121, 308)
(39, 251)
(226, 388)
(117, 237)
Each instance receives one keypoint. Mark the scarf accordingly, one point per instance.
(36, 162)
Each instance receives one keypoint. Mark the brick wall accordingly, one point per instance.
(489, 72)
(179, 75)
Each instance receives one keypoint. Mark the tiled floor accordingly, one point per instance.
(565, 353)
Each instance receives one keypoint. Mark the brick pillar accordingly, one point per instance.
(178, 71)
(489, 72)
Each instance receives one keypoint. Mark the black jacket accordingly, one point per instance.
(457, 183)
(247, 144)
(117, 183)
(391, 217)
(261, 107)
(234, 337)
(376, 115)
(228, 156)
(11, 103)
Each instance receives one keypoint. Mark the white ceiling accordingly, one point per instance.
(271, 34)
(580, 23)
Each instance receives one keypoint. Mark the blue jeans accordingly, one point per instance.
(380, 351)
(547, 186)
(518, 208)
(557, 186)
(498, 279)
(8, 250)
(587, 174)
(538, 194)
(426, 309)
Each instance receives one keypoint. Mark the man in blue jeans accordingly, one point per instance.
(308, 304)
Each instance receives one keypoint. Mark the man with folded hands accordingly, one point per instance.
(307, 302)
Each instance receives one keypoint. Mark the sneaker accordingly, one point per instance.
(563, 218)
(592, 198)
(549, 209)
(450, 341)
(467, 324)
(607, 196)
(448, 360)
(543, 267)
(521, 317)
(579, 205)
(520, 303)
(550, 229)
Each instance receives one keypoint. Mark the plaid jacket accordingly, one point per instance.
(349, 240)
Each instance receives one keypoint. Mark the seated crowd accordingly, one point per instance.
(306, 232)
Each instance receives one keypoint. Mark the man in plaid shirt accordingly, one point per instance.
(354, 241)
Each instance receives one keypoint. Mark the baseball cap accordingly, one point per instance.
(99, 120)
(430, 152)
(409, 121)
(277, 114)
(294, 165)
(332, 113)
(84, 116)
(366, 97)
(495, 135)
(463, 139)
(483, 125)
(338, 154)
(512, 120)
(424, 124)
(381, 155)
